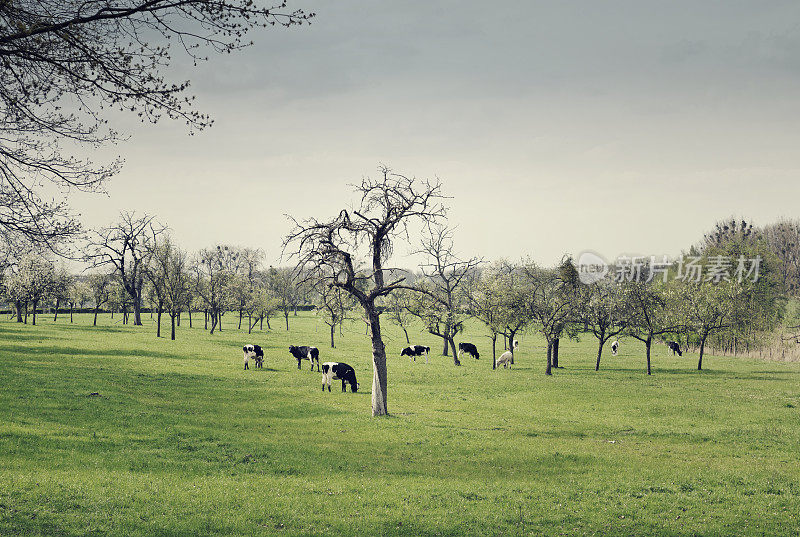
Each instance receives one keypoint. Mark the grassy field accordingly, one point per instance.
(183, 441)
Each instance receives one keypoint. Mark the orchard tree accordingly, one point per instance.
(283, 284)
(604, 313)
(36, 279)
(63, 282)
(490, 303)
(336, 250)
(554, 301)
(653, 309)
(100, 287)
(214, 271)
(79, 293)
(127, 246)
(708, 308)
(396, 309)
(442, 308)
(334, 304)
(67, 65)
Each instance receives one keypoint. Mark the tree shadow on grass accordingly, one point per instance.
(38, 350)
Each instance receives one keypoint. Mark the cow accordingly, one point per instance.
(339, 371)
(674, 347)
(256, 353)
(507, 359)
(416, 350)
(614, 347)
(305, 352)
(468, 348)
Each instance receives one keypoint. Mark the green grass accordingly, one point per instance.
(182, 441)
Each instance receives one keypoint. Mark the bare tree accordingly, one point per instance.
(443, 307)
(65, 63)
(127, 246)
(214, 270)
(334, 305)
(396, 308)
(332, 251)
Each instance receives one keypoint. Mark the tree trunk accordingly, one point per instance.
(446, 343)
(702, 348)
(333, 329)
(19, 311)
(268, 326)
(205, 315)
(556, 342)
(286, 314)
(494, 350)
(253, 326)
(379, 375)
(55, 317)
(137, 308)
(549, 369)
(219, 320)
(647, 345)
(213, 322)
(35, 302)
(453, 348)
(602, 340)
(158, 330)
(172, 334)
(178, 319)
(408, 341)
(190, 317)
(71, 307)
(241, 314)
(95, 316)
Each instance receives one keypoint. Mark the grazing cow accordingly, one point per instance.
(674, 347)
(416, 350)
(305, 352)
(339, 371)
(256, 353)
(468, 348)
(614, 347)
(506, 359)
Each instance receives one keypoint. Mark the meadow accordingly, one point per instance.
(182, 441)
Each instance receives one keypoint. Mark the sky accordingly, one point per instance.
(621, 127)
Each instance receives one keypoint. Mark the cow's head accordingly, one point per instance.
(354, 387)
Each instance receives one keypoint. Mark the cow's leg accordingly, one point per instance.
(298, 363)
(344, 386)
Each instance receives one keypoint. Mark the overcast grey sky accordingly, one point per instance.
(618, 126)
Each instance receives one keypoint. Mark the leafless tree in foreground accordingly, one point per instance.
(351, 251)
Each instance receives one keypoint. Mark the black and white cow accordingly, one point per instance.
(614, 347)
(468, 348)
(674, 347)
(416, 350)
(256, 353)
(305, 352)
(339, 371)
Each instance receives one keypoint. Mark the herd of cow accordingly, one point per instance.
(345, 373)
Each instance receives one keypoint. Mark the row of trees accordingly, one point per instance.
(136, 262)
